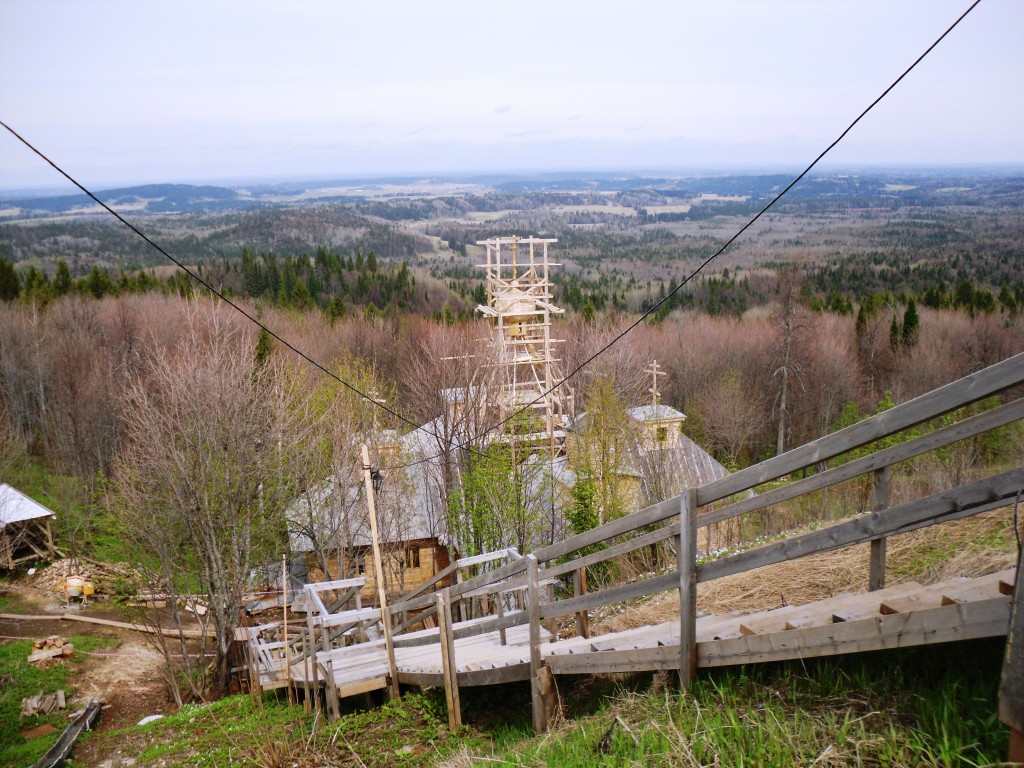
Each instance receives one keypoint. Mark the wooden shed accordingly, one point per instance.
(25, 532)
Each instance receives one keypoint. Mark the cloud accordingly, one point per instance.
(503, 109)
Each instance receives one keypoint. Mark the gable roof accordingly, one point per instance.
(16, 507)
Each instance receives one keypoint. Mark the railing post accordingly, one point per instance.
(579, 588)
(879, 501)
(533, 609)
(687, 551)
(499, 609)
(311, 651)
(448, 669)
(1011, 681)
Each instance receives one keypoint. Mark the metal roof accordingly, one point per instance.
(655, 413)
(15, 506)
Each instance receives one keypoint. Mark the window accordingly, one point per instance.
(662, 434)
(361, 563)
(412, 557)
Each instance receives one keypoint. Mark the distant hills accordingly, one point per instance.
(858, 188)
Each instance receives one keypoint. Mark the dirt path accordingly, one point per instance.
(127, 675)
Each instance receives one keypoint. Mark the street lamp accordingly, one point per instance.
(377, 479)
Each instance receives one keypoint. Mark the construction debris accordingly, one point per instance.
(50, 648)
(43, 703)
(58, 754)
(103, 576)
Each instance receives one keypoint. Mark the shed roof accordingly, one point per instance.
(15, 507)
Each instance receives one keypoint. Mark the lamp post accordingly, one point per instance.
(373, 481)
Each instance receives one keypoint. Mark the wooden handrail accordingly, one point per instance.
(969, 389)
(975, 425)
(972, 498)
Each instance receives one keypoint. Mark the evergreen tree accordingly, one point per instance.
(911, 325)
(62, 280)
(10, 286)
(98, 282)
(895, 334)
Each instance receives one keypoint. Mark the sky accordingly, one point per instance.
(137, 92)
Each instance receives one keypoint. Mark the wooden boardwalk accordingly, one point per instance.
(905, 615)
(489, 623)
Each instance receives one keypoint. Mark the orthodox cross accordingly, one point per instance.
(655, 372)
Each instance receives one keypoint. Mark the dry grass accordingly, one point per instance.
(971, 547)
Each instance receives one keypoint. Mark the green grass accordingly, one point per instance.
(67, 496)
(930, 706)
(410, 732)
(22, 680)
(923, 706)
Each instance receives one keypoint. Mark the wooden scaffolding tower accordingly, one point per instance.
(519, 304)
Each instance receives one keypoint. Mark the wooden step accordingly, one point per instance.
(867, 605)
(928, 597)
(980, 588)
(779, 619)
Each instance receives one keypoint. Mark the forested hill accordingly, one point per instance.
(150, 198)
(198, 238)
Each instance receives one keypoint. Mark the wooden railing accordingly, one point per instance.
(680, 517)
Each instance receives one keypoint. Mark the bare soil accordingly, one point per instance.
(127, 676)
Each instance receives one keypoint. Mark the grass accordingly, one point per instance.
(410, 732)
(921, 706)
(21, 680)
(906, 708)
(67, 496)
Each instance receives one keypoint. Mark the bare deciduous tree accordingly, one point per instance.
(209, 438)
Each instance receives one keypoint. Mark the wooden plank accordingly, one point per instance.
(510, 674)
(638, 660)
(1011, 678)
(349, 618)
(865, 606)
(489, 577)
(979, 495)
(486, 557)
(969, 427)
(533, 608)
(333, 586)
(448, 570)
(616, 550)
(628, 591)
(135, 627)
(687, 556)
(879, 502)
(980, 588)
(988, 618)
(923, 598)
(781, 619)
(453, 667)
(957, 394)
(964, 621)
(444, 618)
(354, 689)
(579, 588)
(1006, 586)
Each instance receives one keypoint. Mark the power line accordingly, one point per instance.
(590, 359)
(213, 290)
(742, 229)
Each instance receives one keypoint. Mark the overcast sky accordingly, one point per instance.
(216, 91)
